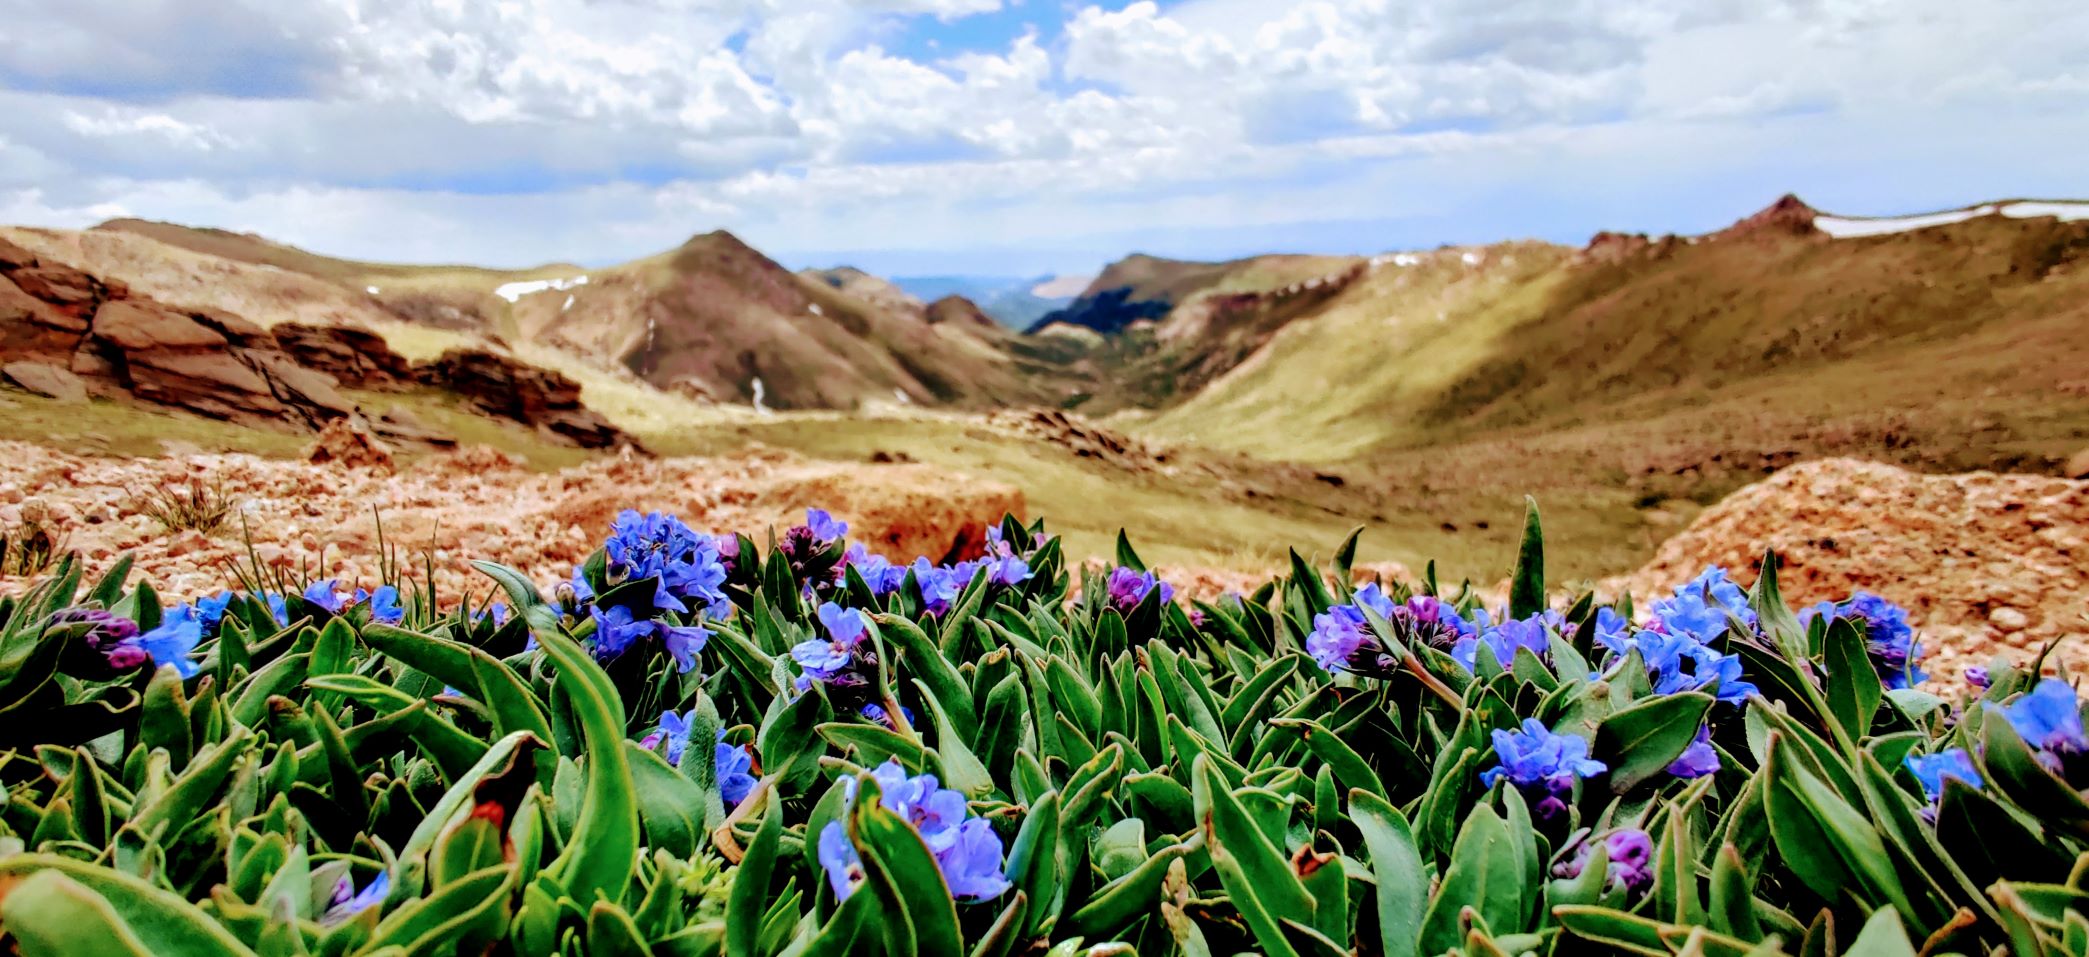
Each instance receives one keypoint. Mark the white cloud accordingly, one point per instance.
(584, 129)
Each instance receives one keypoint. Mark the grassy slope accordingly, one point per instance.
(1531, 340)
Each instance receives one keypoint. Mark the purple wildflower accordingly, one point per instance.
(616, 630)
(1503, 640)
(734, 768)
(1631, 858)
(348, 902)
(1699, 759)
(877, 571)
(1128, 587)
(1976, 675)
(966, 849)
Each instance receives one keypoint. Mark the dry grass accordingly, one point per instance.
(193, 506)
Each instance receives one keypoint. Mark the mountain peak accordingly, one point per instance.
(1788, 216)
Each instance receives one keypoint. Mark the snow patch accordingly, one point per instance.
(1402, 260)
(1471, 259)
(516, 290)
(372, 290)
(758, 394)
(569, 303)
(814, 309)
(1846, 227)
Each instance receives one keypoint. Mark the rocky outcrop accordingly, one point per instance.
(65, 334)
(1983, 562)
(357, 358)
(1788, 216)
(501, 386)
(959, 310)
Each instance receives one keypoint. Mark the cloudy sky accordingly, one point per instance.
(1020, 136)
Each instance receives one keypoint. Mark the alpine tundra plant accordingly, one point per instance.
(699, 745)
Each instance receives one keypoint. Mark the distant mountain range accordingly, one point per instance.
(1846, 323)
(1014, 301)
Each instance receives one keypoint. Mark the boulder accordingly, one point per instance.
(46, 380)
(348, 441)
(2077, 467)
(31, 327)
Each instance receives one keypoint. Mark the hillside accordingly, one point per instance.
(1948, 344)
(1014, 301)
(718, 318)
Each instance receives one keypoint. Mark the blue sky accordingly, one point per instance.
(1017, 138)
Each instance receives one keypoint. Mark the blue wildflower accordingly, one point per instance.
(659, 546)
(348, 902)
(826, 659)
(1701, 607)
(1678, 662)
(175, 640)
(674, 732)
(1504, 639)
(877, 571)
(1930, 770)
(825, 527)
(277, 608)
(734, 768)
(938, 585)
(385, 607)
(1007, 571)
(325, 594)
(876, 714)
(1541, 762)
(616, 630)
(1699, 759)
(211, 609)
(2050, 721)
(1888, 638)
(966, 849)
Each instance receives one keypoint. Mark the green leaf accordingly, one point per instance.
(1396, 866)
(1256, 876)
(1883, 936)
(1485, 876)
(1349, 766)
(750, 893)
(1527, 584)
(604, 845)
(1640, 742)
(1831, 847)
(1853, 684)
(160, 921)
(1033, 861)
(51, 915)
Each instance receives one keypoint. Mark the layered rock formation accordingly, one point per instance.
(65, 333)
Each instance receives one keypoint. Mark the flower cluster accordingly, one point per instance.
(842, 661)
(684, 564)
(813, 548)
(1676, 646)
(966, 849)
(1128, 587)
(1543, 764)
(1888, 638)
(1342, 639)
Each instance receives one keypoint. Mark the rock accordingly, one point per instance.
(356, 358)
(140, 325)
(46, 380)
(1984, 563)
(1788, 216)
(2078, 466)
(502, 386)
(347, 441)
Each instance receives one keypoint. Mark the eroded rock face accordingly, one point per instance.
(1984, 563)
(95, 337)
(501, 386)
(474, 503)
(348, 442)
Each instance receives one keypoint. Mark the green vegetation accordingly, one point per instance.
(699, 747)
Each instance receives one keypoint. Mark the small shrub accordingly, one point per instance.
(29, 546)
(194, 505)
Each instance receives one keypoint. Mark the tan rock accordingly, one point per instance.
(139, 325)
(347, 442)
(46, 380)
(1975, 558)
